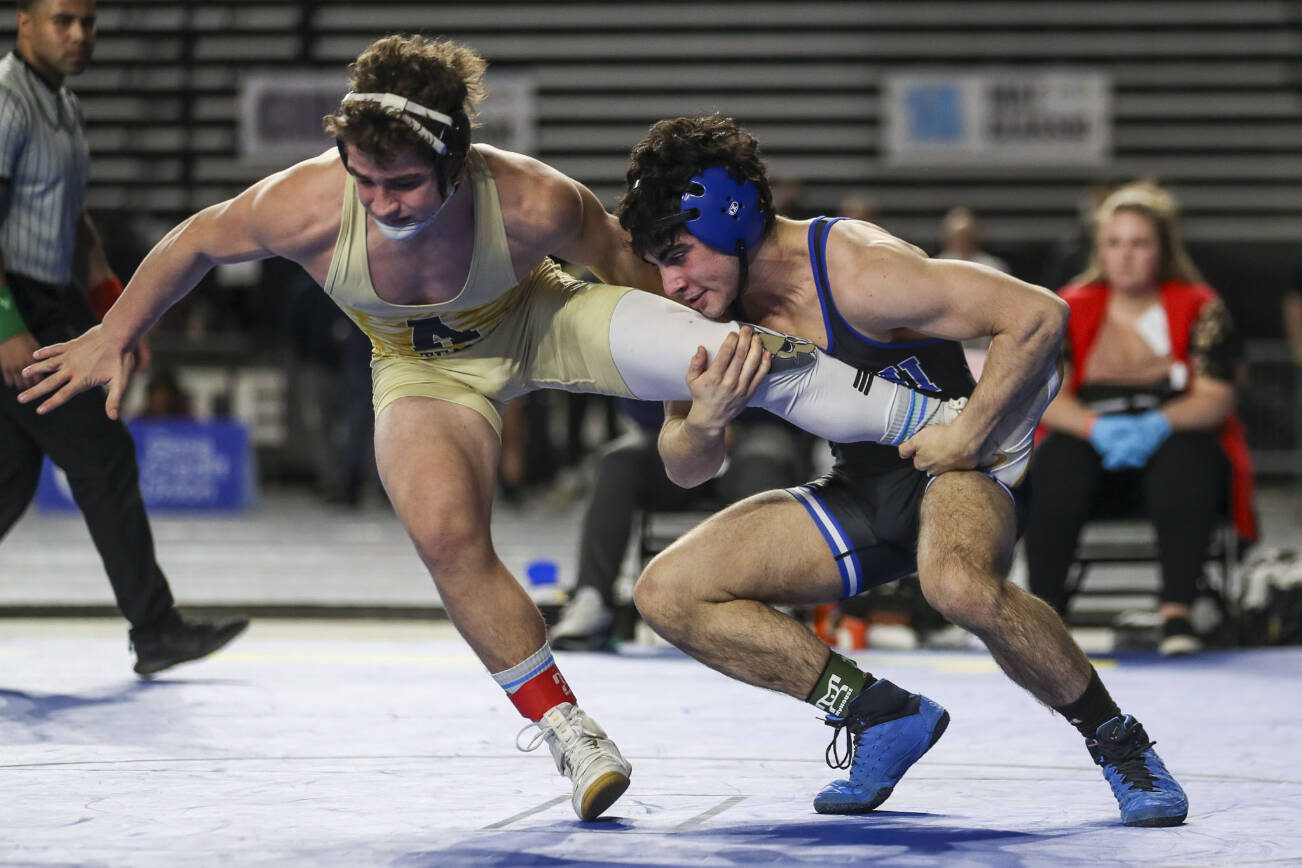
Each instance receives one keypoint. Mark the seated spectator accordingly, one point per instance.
(962, 240)
(164, 397)
(764, 453)
(859, 207)
(1146, 414)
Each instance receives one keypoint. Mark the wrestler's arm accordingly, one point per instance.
(588, 234)
(265, 220)
(268, 219)
(954, 300)
(693, 438)
(691, 453)
(1068, 413)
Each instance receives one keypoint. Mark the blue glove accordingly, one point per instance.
(1151, 431)
(1116, 438)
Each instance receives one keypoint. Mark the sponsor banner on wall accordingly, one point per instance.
(183, 466)
(280, 113)
(998, 118)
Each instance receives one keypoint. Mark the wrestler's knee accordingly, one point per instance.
(447, 540)
(965, 596)
(664, 594)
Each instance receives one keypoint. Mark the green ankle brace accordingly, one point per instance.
(840, 681)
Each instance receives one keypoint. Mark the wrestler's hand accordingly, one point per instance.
(67, 369)
(16, 354)
(722, 387)
(938, 448)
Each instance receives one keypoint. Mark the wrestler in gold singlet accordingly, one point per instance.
(499, 338)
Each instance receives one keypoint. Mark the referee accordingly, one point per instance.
(44, 230)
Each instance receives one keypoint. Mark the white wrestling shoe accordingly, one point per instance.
(584, 754)
(1014, 437)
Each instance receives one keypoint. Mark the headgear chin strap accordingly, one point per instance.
(723, 213)
(450, 142)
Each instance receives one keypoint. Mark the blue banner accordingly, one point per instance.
(183, 466)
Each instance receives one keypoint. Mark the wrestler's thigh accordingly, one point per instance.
(438, 460)
(967, 526)
(762, 548)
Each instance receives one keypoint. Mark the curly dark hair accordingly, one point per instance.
(672, 152)
(437, 73)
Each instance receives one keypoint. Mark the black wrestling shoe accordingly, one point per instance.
(180, 639)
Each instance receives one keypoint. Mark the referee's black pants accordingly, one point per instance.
(99, 458)
(1182, 490)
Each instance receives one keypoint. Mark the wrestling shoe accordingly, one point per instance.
(880, 749)
(179, 640)
(1145, 790)
(584, 754)
(584, 624)
(1013, 438)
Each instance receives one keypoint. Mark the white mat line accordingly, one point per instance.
(715, 811)
(537, 809)
(922, 773)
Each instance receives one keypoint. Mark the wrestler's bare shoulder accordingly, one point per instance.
(296, 211)
(538, 201)
(874, 276)
(868, 239)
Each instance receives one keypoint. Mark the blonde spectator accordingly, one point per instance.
(1145, 419)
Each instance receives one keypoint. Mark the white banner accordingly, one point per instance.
(998, 118)
(280, 113)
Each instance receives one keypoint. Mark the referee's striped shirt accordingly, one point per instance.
(45, 162)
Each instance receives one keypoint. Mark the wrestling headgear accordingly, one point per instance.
(720, 211)
(447, 135)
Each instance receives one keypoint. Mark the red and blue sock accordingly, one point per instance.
(535, 685)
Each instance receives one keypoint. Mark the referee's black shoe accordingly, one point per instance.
(179, 639)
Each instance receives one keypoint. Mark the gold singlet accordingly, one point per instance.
(497, 339)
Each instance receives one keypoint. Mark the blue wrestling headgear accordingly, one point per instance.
(723, 213)
(720, 211)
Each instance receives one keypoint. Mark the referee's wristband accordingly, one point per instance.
(11, 321)
(103, 294)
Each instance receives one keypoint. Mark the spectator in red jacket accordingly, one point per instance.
(1146, 419)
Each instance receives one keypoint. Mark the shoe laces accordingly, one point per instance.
(846, 747)
(574, 732)
(539, 736)
(1128, 755)
(844, 729)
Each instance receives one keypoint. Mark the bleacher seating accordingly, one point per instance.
(1205, 95)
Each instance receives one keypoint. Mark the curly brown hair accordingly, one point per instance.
(668, 157)
(437, 73)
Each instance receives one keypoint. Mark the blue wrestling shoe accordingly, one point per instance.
(882, 745)
(1145, 790)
